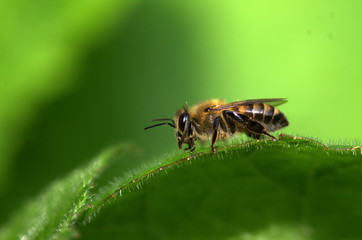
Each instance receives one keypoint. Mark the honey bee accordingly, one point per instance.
(215, 119)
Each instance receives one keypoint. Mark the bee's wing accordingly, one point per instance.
(270, 101)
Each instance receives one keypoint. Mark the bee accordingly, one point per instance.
(214, 119)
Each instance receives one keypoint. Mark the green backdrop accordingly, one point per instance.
(79, 76)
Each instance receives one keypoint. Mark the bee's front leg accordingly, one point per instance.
(192, 145)
(191, 142)
(179, 140)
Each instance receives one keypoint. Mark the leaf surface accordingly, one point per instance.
(294, 188)
(290, 189)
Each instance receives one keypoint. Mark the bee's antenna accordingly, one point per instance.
(162, 119)
(159, 124)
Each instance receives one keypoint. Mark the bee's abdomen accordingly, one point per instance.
(271, 117)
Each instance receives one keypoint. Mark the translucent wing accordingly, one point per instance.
(270, 101)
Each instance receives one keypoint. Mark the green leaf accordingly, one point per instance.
(53, 214)
(294, 188)
(290, 189)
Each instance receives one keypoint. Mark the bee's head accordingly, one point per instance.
(183, 126)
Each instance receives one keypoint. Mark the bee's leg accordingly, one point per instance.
(274, 138)
(179, 139)
(192, 145)
(191, 141)
(191, 148)
(258, 129)
(253, 126)
(215, 135)
(253, 135)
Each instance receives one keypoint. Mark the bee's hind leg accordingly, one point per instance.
(253, 135)
(255, 129)
(260, 136)
(274, 138)
(258, 129)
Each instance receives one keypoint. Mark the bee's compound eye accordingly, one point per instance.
(183, 119)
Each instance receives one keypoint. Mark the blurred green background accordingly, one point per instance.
(79, 76)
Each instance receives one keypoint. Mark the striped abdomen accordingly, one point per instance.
(271, 117)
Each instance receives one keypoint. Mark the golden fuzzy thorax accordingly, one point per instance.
(197, 111)
(204, 120)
